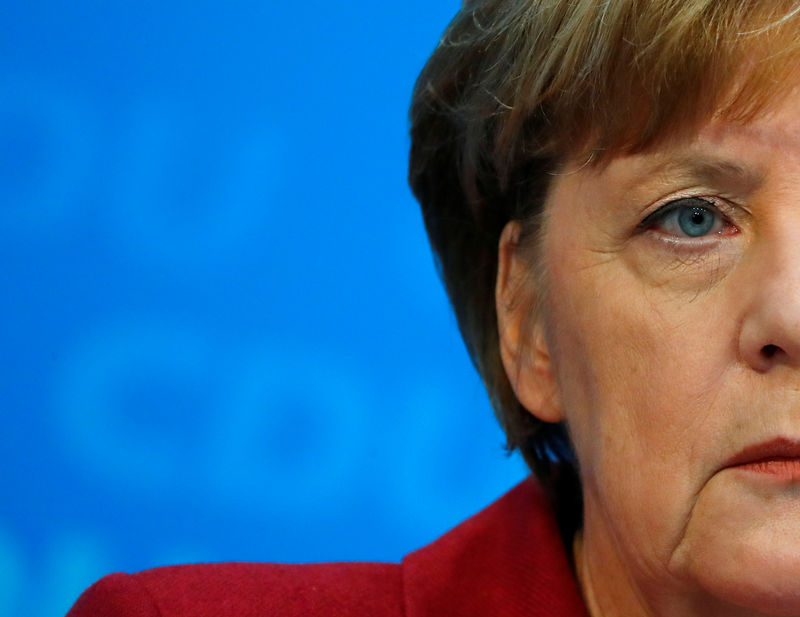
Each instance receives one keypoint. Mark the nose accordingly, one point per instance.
(770, 330)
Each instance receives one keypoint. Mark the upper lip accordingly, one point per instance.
(778, 448)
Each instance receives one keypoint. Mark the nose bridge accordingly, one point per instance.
(771, 326)
(780, 250)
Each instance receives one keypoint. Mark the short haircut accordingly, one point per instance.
(516, 87)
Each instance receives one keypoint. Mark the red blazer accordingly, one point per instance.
(506, 561)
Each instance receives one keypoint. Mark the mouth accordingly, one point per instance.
(778, 457)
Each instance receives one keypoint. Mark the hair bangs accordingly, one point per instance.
(627, 76)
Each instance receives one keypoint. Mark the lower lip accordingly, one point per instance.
(784, 468)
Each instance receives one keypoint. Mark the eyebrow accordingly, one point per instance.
(714, 170)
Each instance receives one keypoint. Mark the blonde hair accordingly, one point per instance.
(517, 86)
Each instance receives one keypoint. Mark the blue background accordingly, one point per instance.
(222, 334)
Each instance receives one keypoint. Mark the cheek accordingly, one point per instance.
(640, 371)
(630, 357)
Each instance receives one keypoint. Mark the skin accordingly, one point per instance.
(667, 355)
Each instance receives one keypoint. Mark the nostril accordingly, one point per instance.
(768, 351)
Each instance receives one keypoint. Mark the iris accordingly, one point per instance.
(696, 221)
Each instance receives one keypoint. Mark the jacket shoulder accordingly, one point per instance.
(506, 560)
(247, 590)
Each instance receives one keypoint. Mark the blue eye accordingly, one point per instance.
(696, 221)
(690, 217)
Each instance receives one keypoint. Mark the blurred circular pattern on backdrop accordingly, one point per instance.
(223, 335)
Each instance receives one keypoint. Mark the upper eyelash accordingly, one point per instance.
(680, 202)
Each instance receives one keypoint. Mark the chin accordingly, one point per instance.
(754, 579)
(742, 548)
(759, 597)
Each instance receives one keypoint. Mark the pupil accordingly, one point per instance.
(696, 221)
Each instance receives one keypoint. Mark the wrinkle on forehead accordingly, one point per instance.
(711, 169)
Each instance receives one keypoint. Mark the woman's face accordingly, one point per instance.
(672, 331)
